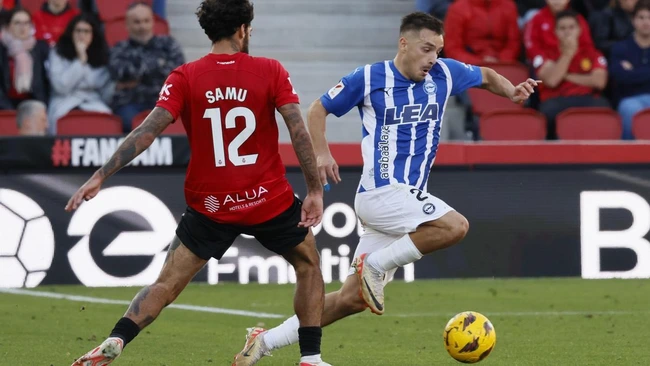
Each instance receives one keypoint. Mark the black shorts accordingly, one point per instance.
(209, 239)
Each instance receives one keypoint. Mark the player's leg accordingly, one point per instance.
(298, 246)
(338, 304)
(180, 267)
(197, 240)
(425, 224)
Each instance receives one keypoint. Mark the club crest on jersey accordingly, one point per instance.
(430, 87)
(412, 113)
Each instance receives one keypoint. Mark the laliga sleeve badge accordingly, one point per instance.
(429, 208)
(336, 90)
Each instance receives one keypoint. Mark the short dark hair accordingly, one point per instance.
(220, 19)
(641, 5)
(566, 14)
(418, 21)
(98, 49)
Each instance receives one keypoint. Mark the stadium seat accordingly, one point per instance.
(483, 101)
(589, 123)
(512, 125)
(641, 125)
(8, 126)
(175, 128)
(113, 9)
(115, 29)
(89, 123)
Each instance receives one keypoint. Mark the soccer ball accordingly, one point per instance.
(27, 241)
(469, 337)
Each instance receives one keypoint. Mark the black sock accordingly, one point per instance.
(309, 340)
(126, 329)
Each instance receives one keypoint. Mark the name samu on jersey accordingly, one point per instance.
(401, 119)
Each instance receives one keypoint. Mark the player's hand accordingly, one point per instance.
(524, 90)
(86, 192)
(312, 210)
(327, 167)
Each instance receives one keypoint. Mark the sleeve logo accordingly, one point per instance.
(164, 92)
(336, 90)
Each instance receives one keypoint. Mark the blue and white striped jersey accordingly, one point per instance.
(401, 119)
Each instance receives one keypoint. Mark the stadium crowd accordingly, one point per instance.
(588, 53)
(56, 58)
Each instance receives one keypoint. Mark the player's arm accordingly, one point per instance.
(499, 85)
(134, 144)
(316, 118)
(302, 145)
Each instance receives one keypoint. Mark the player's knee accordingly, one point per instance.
(459, 228)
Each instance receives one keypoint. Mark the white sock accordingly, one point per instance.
(283, 335)
(311, 359)
(400, 253)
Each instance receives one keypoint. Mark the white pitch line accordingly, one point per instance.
(99, 300)
(525, 313)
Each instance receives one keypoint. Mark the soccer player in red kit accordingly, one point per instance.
(235, 182)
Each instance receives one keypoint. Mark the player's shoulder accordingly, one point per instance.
(264, 62)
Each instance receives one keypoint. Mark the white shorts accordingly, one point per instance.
(390, 212)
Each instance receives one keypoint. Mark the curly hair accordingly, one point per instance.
(220, 19)
(98, 48)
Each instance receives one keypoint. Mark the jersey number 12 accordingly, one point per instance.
(214, 114)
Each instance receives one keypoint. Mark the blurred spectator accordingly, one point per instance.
(612, 24)
(539, 35)
(51, 20)
(437, 8)
(32, 118)
(141, 64)
(482, 31)
(79, 71)
(23, 75)
(572, 74)
(630, 68)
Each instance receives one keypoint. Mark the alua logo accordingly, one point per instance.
(245, 196)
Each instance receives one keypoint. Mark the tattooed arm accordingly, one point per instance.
(302, 145)
(137, 141)
(134, 144)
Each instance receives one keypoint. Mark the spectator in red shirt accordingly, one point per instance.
(573, 73)
(52, 19)
(482, 31)
(539, 33)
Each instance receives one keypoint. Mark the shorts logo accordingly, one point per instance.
(430, 87)
(429, 208)
(212, 204)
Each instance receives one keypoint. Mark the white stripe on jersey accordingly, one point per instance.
(392, 136)
(367, 144)
(450, 85)
(432, 100)
(407, 165)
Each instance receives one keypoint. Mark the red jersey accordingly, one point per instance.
(586, 60)
(49, 27)
(539, 34)
(227, 104)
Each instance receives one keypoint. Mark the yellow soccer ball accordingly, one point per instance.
(469, 337)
